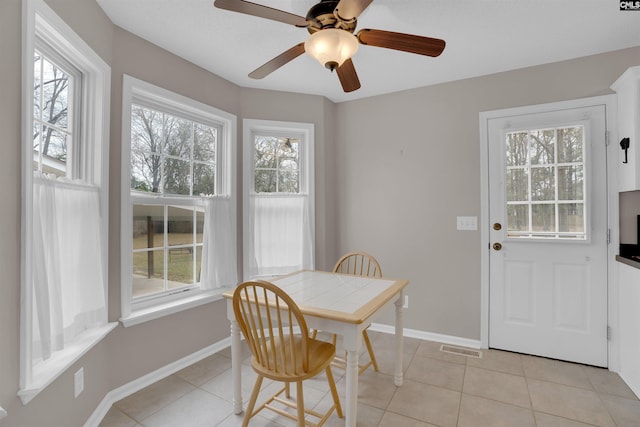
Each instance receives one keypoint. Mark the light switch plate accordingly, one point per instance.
(469, 223)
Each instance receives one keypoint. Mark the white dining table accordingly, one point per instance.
(335, 303)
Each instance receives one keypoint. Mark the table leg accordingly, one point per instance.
(352, 388)
(236, 367)
(398, 375)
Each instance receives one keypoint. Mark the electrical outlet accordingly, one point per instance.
(78, 382)
(406, 302)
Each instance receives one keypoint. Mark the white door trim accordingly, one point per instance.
(609, 101)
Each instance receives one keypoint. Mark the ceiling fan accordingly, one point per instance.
(332, 42)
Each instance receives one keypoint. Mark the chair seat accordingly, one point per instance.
(320, 355)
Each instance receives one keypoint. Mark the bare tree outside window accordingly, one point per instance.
(171, 155)
(545, 183)
(52, 102)
(277, 168)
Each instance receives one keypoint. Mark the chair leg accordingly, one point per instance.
(300, 404)
(334, 391)
(372, 356)
(252, 401)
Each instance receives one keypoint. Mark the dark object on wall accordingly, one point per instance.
(624, 144)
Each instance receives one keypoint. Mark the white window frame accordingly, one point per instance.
(41, 23)
(303, 131)
(135, 91)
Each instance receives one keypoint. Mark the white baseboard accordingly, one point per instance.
(150, 378)
(427, 336)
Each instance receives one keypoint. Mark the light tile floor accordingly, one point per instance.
(440, 389)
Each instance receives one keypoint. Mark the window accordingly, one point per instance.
(65, 199)
(545, 183)
(178, 218)
(278, 188)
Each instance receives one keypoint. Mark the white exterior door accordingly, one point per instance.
(548, 232)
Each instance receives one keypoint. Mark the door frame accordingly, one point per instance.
(610, 104)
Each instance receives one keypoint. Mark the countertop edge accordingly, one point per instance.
(628, 261)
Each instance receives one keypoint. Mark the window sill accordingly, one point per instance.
(157, 311)
(46, 372)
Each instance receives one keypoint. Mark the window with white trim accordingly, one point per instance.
(279, 198)
(178, 209)
(66, 88)
(545, 183)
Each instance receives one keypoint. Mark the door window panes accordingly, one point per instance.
(545, 183)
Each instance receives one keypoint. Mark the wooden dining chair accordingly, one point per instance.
(281, 350)
(357, 264)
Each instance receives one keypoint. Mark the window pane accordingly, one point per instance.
(543, 218)
(517, 148)
(265, 181)
(148, 226)
(178, 133)
(265, 153)
(180, 269)
(288, 182)
(542, 184)
(517, 185)
(204, 147)
(199, 224)
(204, 179)
(55, 95)
(54, 145)
(571, 217)
(148, 272)
(145, 172)
(517, 218)
(570, 183)
(570, 144)
(180, 225)
(541, 148)
(146, 130)
(177, 177)
(198, 263)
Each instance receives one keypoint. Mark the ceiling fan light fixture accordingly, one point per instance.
(331, 47)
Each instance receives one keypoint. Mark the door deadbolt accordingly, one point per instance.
(497, 226)
(497, 246)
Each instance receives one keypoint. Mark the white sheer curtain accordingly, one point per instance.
(281, 239)
(218, 268)
(68, 278)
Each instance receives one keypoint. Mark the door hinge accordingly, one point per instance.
(608, 236)
(608, 333)
(607, 137)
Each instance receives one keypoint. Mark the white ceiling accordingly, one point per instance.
(483, 37)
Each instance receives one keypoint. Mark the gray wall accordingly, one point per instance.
(393, 189)
(408, 164)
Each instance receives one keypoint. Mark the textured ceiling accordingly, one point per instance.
(483, 37)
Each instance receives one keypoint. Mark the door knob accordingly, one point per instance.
(497, 226)
(497, 246)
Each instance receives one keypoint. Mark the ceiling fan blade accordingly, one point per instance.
(351, 9)
(261, 11)
(348, 76)
(277, 62)
(400, 41)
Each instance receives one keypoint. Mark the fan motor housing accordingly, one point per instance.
(322, 15)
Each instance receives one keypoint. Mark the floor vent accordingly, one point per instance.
(461, 351)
